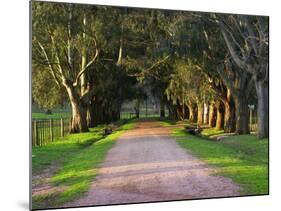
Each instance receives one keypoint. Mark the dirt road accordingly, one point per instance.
(146, 164)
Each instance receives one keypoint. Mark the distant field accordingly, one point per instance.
(51, 116)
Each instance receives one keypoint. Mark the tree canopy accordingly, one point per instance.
(194, 63)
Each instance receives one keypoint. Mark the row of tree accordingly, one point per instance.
(97, 57)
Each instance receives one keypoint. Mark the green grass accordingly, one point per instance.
(211, 132)
(80, 156)
(63, 115)
(61, 149)
(243, 158)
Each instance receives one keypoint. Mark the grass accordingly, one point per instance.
(243, 158)
(209, 132)
(60, 115)
(79, 156)
(44, 156)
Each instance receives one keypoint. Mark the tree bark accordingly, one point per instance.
(137, 109)
(212, 115)
(206, 113)
(78, 121)
(89, 115)
(172, 110)
(79, 117)
(200, 113)
(183, 111)
(229, 115)
(263, 110)
(162, 109)
(220, 115)
(191, 113)
(242, 115)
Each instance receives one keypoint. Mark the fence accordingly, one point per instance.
(127, 115)
(45, 131)
(144, 112)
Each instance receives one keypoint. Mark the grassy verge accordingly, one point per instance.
(79, 156)
(59, 151)
(243, 158)
(210, 132)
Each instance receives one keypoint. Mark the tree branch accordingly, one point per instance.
(48, 62)
(83, 70)
(156, 64)
(231, 49)
(58, 59)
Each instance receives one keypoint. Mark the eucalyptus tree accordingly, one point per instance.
(65, 38)
(148, 51)
(247, 39)
(177, 90)
(212, 57)
(188, 86)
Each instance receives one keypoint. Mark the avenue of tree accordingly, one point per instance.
(203, 67)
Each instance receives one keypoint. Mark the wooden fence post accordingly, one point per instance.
(35, 133)
(61, 127)
(51, 129)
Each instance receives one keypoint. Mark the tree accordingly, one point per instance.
(61, 44)
(45, 92)
(215, 61)
(188, 86)
(246, 38)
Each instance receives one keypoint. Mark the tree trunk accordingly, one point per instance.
(172, 111)
(191, 113)
(78, 120)
(229, 115)
(200, 114)
(263, 110)
(162, 109)
(212, 115)
(229, 118)
(89, 114)
(242, 115)
(186, 111)
(179, 112)
(137, 109)
(220, 115)
(206, 113)
(183, 111)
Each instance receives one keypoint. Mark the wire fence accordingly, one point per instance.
(46, 131)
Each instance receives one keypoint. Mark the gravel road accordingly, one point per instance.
(146, 164)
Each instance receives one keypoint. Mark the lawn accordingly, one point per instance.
(78, 156)
(243, 158)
